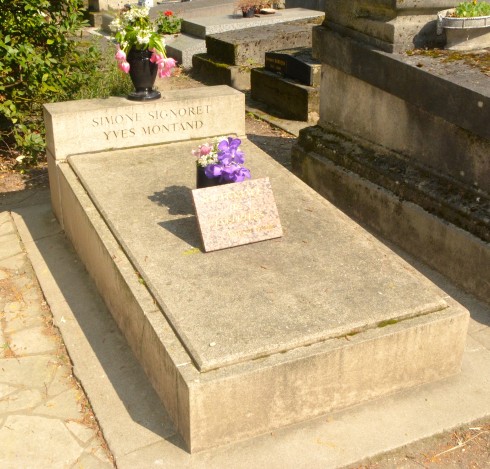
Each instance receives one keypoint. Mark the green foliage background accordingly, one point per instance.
(44, 58)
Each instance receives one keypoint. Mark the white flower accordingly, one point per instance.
(115, 25)
(143, 37)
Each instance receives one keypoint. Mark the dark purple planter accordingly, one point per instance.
(143, 74)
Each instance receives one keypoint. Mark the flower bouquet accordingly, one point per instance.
(220, 163)
(140, 51)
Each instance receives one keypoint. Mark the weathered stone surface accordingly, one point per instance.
(176, 234)
(411, 115)
(202, 27)
(390, 26)
(465, 208)
(23, 399)
(9, 246)
(20, 321)
(60, 381)
(290, 99)
(63, 406)
(89, 461)
(217, 73)
(18, 451)
(96, 125)
(33, 340)
(14, 263)
(28, 371)
(6, 225)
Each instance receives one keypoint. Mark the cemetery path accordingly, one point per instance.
(45, 417)
(466, 447)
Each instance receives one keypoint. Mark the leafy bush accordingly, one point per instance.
(105, 79)
(41, 61)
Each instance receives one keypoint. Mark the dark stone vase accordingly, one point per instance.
(143, 74)
(250, 13)
(203, 181)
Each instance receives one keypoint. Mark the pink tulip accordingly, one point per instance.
(124, 66)
(170, 63)
(165, 67)
(156, 58)
(120, 55)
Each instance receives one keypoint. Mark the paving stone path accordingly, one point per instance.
(45, 419)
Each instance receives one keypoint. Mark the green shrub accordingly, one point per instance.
(104, 79)
(41, 61)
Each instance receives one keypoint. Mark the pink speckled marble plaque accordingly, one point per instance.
(235, 214)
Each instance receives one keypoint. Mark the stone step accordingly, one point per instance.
(213, 73)
(183, 47)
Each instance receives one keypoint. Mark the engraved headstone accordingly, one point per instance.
(294, 63)
(235, 214)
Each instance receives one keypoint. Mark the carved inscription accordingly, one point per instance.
(236, 214)
(154, 122)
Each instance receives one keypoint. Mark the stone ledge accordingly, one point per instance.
(391, 26)
(460, 205)
(399, 75)
(333, 166)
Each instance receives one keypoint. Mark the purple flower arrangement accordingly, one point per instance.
(223, 159)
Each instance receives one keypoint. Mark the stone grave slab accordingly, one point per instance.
(324, 294)
(241, 341)
(248, 47)
(230, 56)
(202, 27)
